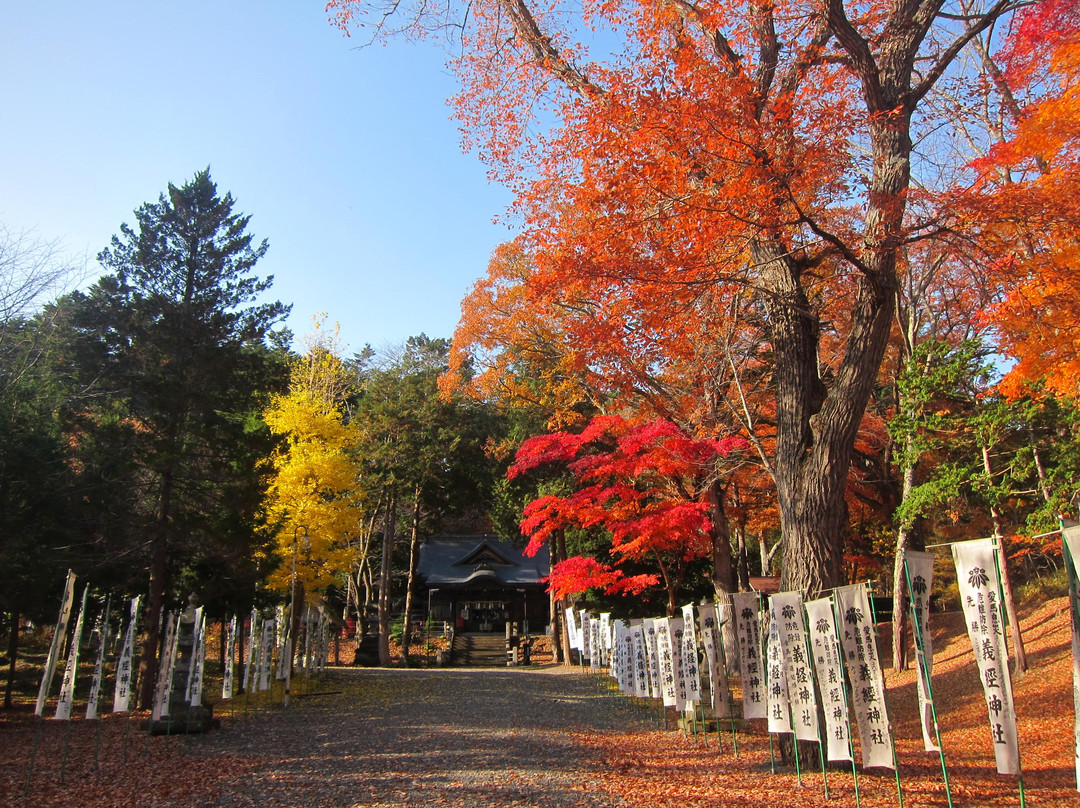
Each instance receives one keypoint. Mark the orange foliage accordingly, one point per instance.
(1031, 199)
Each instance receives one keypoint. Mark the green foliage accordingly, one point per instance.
(1038, 590)
(173, 350)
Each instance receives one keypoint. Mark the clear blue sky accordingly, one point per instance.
(346, 158)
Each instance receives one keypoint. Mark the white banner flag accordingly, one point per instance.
(165, 669)
(572, 631)
(266, 653)
(678, 655)
(747, 607)
(282, 636)
(254, 633)
(640, 660)
(668, 657)
(779, 704)
(920, 570)
(825, 648)
(71, 670)
(230, 665)
(624, 657)
(586, 635)
(652, 652)
(864, 674)
(124, 668)
(99, 663)
(56, 648)
(800, 678)
(605, 638)
(691, 667)
(1071, 537)
(719, 693)
(980, 594)
(198, 658)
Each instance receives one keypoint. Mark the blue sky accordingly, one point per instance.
(346, 158)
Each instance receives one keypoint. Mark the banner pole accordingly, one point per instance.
(33, 755)
(847, 702)
(924, 669)
(813, 683)
(764, 640)
(1004, 622)
(730, 699)
(885, 695)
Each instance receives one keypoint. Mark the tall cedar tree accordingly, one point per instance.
(177, 344)
(712, 146)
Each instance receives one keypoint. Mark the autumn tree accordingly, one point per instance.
(700, 149)
(310, 503)
(1025, 210)
(645, 483)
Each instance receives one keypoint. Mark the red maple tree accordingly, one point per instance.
(645, 483)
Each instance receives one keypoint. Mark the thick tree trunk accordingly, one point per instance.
(155, 601)
(557, 619)
(414, 557)
(723, 570)
(816, 431)
(742, 562)
(13, 656)
(385, 576)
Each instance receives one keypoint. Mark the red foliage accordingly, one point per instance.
(642, 481)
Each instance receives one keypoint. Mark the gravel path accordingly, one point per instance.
(453, 737)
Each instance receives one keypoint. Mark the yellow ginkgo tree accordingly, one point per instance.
(310, 503)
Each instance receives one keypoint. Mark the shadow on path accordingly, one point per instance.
(427, 737)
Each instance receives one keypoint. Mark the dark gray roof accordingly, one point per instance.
(477, 561)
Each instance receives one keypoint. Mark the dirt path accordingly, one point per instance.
(361, 737)
(426, 737)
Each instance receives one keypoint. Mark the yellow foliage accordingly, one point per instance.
(310, 501)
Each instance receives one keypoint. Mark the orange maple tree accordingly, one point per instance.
(669, 154)
(1028, 205)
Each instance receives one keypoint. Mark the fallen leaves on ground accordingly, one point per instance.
(539, 737)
